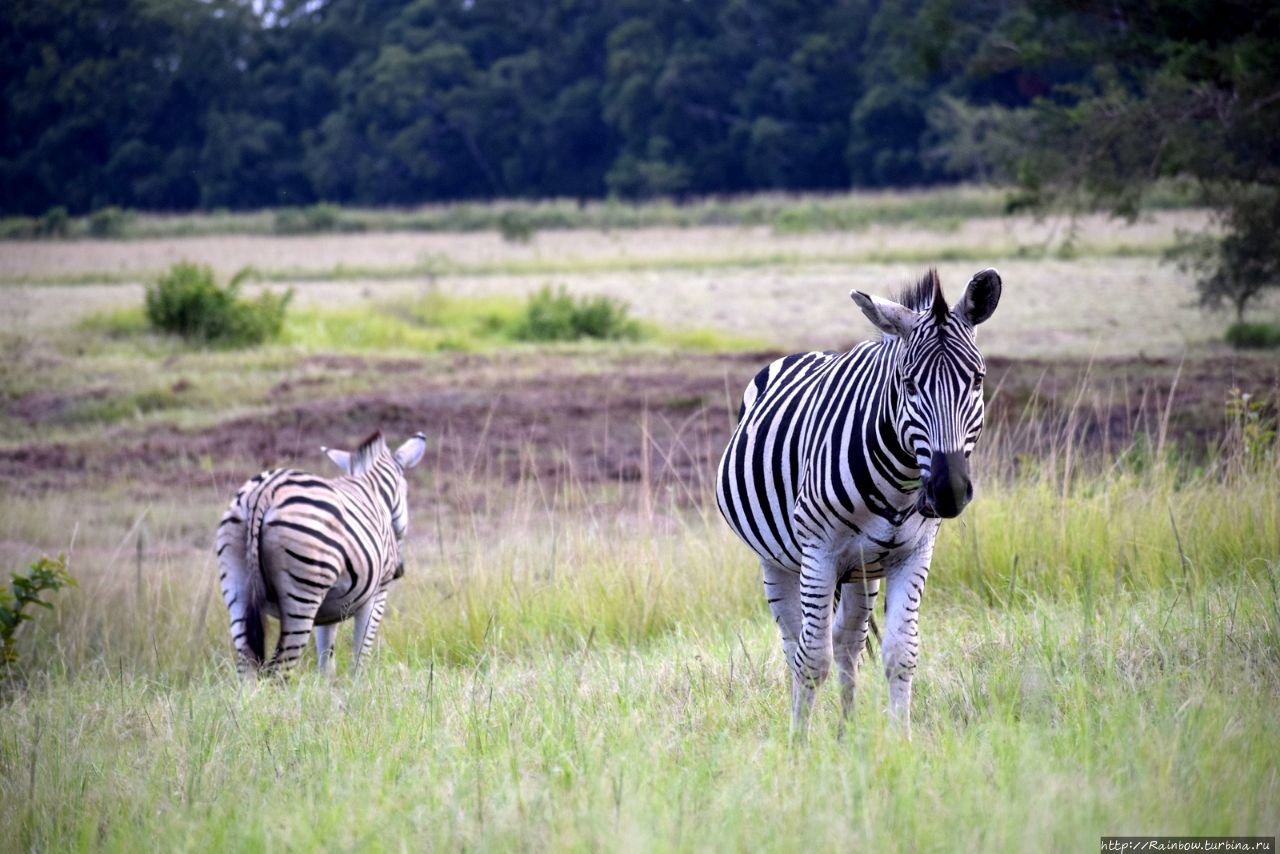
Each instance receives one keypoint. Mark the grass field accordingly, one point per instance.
(580, 656)
(587, 681)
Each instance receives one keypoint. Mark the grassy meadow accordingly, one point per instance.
(580, 656)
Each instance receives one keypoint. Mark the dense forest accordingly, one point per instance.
(182, 104)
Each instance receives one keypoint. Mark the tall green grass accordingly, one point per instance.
(1036, 728)
(570, 668)
(571, 565)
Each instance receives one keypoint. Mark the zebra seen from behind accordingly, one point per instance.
(838, 474)
(313, 551)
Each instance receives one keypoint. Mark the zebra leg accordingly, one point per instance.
(782, 590)
(812, 661)
(366, 629)
(849, 636)
(325, 637)
(901, 647)
(297, 619)
(242, 597)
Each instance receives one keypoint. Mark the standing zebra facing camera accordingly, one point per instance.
(313, 551)
(839, 473)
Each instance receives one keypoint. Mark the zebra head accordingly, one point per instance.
(936, 389)
(374, 460)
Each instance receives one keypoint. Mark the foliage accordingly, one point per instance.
(515, 226)
(187, 301)
(1254, 336)
(107, 222)
(1133, 92)
(208, 103)
(559, 316)
(44, 575)
(1252, 427)
(54, 222)
(1239, 267)
(312, 219)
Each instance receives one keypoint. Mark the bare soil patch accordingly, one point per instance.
(557, 421)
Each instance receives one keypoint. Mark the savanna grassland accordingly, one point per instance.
(579, 655)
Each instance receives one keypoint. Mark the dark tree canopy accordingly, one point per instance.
(182, 104)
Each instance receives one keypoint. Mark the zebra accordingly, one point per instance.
(313, 551)
(839, 472)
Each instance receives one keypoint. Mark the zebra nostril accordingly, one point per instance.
(968, 491)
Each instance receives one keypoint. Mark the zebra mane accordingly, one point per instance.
(370, 449)
(924, 295)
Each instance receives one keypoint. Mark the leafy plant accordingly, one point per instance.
(515, 226)
(109, 222)
(54, 222)
(1252, 428)
(187, 301)
(45, 575)
(19, 228)
(313, 219)
(558, 316)
(1254, 336)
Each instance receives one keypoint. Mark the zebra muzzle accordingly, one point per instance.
(948, 489)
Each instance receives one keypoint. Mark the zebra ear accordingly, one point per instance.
(340, 458)
(981, 297)
(410, 453)
(888, 316)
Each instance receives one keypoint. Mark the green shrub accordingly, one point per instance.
(558, 316)
(54, 222)
(1254, 336)
(110, 221)
(515, 226)
(187, 301)
(46, 574)
(19, 228)
(290, 221)
(313, 219)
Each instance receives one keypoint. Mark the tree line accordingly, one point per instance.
(183, 104)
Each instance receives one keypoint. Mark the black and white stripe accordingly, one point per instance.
(313, 551)
(839, 470)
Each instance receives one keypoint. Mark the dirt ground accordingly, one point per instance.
(658, 421)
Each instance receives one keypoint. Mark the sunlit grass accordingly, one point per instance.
(564, 672)
(428, 323)
(1036, 727)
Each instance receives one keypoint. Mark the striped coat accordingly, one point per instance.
(313, 551)
(839, 471)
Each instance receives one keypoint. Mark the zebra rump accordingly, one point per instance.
(313, 551)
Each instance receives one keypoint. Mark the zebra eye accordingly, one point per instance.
(977, 382)
(910, 386)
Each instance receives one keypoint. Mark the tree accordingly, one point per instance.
(1152, 89)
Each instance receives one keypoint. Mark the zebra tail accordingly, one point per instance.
(875, 630)
(255, 587)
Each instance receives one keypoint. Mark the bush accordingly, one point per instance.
(25, 589)
(515, 226)
(313, 219)
(187, 301)
(54, 222)
(1254, 336)
(557, 316)
(109, 222)
(19, 228)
